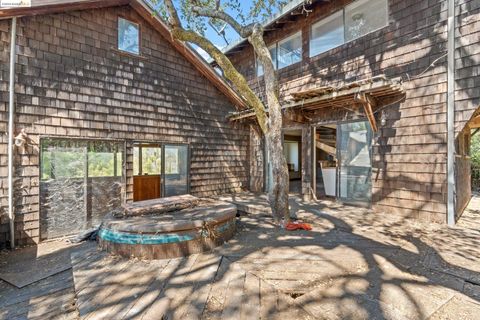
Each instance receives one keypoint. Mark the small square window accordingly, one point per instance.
(128, 36)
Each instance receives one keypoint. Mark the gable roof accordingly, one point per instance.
(40, 7)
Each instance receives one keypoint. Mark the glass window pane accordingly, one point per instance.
(72, 199)
(355, 151)
(290, 50)
(63, 159)
(176, 170)
(327, 34)
(151, 160)
(128, 36)
(364, 16)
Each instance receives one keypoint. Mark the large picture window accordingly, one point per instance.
(128, 36)
(365, 16)
(354, 21)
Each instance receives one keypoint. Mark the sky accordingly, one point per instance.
(230, 34)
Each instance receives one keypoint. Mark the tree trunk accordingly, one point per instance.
(278, 190)
(279, 187)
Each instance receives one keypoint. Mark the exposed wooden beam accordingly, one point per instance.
(325, 147)
(369, 103)
(474, 123)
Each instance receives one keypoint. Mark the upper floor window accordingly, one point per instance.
(284, 53)
(289, 50)
(327, 34)
(128, 36)
(365, 16)
(354, 21)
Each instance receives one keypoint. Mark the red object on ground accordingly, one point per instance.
(298, 225)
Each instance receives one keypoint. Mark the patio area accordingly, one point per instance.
(354, 264)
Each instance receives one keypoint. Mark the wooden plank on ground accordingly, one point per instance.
(232, 305)
(218, 291)
(251, 298)
(146, 299)
(160, 298)
(191, 303)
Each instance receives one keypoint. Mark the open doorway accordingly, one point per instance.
(326, 161)
(292, 147)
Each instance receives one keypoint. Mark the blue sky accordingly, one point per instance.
(230, 35)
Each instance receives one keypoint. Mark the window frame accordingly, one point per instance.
(139, 25)
(162, 145)
(342, 11)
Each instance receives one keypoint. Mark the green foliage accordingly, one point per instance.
(475, 150)
(255, 11)
(68, 159)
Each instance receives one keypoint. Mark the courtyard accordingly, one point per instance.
(354, 264)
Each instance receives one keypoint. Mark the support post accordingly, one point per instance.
(451, 114)
(307, 163)
(11, 127)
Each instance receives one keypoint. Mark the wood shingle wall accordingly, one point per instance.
(72, 82)
(410, 152)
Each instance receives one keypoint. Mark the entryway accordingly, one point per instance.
(292, 148)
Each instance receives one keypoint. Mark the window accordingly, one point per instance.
(81, 182)
(147, 160)
(284, 53)
(365, 16)
(356, 20)
(327, 34)
(128, 36)
(289, 51)
(160, 170)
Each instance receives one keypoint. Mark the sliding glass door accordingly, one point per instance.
(176, 170)
(354, 149)
(80, 182)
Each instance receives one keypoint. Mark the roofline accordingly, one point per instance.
(289, 8)
(147, 12)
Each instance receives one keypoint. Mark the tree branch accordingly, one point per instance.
(229, 71)
(243, 31)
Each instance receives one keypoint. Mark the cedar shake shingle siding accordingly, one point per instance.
(410, 152)
(73, 82)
